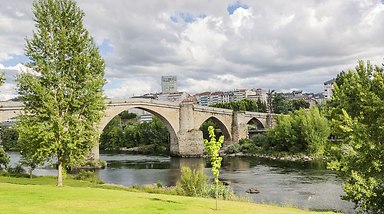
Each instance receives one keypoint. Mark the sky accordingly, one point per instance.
(212, 45)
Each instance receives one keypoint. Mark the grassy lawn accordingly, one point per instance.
(40, 195)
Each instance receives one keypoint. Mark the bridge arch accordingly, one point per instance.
(167, 123)
(254, 127)
(168, 113)
(257, 123)
(224, 129)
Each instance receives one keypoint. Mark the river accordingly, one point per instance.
(307, 185)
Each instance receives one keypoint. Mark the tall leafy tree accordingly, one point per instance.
(357, 109)
(4, 157)
(64, 98)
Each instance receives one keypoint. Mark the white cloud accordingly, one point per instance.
(270, 44)
(8, 90)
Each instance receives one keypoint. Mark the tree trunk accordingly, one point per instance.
(217, 193)
(30, 172)
(60, 174)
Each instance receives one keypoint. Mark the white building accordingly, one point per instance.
(328, 88)
(258, 94)
(168, 84)
(173, 97)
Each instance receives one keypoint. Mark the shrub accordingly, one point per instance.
(17, 171)
(233, 148)
(85, 175)
(224, 192)
(4, 158)
(192, 182)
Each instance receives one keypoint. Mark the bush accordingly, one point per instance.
(260, 140)
(4, 158)
(233, 148)
(17, 171)
(85, 175)
(224, 192)
(249, 147)
(192, 182)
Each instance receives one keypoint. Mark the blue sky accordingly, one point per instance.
(213, 44)
(233, 7)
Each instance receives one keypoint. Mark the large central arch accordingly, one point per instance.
(166, 112)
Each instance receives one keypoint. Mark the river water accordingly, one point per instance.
(307, 185)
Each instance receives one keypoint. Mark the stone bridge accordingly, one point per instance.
(182, 120)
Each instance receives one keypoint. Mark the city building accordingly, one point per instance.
(173, 97)
(146, 118)
(328, 88)
(239, 94)
(203, 99)
(168, 84)
(259, 94)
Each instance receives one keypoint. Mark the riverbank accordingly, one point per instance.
(283, 157)
(22, 195)
(277, 156)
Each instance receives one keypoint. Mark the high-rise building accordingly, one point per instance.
(328, 88)
(168, 84)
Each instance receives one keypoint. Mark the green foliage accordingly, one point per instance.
(195, 183)
(256, 144)
(126, 115)
(112, 136)
(17, 171)
(151, 137)
(9, 136)
(4, 158)
(233, 148)
(192, 182)
(212, 148)
(299, 132)
(223, 192)
(248, 146)
(356, 110)
(86, 175)
(204, 128)
(65, 100)
(243, 105)
(280, 105)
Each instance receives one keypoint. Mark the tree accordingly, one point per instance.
(65, 100)
(300, 131)
(205, 130)
(8, 136)
(279, 104)
(356, 110)
(212, 147)
(112, 136)
(4, 158)
(297, 104)
(243, 105)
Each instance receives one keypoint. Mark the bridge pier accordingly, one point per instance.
(190, 140)
(191, 144)
(239, 128)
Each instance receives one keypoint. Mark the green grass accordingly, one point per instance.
(40, 195)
